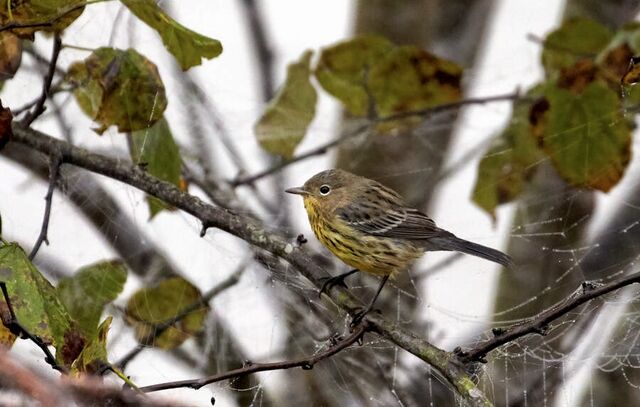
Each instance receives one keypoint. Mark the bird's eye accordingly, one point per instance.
(325, 189)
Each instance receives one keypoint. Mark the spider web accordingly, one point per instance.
(277, 315)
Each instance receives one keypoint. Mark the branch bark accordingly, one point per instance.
(254, 233)
(540, 323)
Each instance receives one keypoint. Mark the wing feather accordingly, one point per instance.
(379, 211)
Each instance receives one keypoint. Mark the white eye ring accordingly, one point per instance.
(325, 190)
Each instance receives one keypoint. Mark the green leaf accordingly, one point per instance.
(150, 307)
(576, 39)
(188, 47)
(86, 293)
(34, 299)
(508, 164)
(155, 150)
(409, 78)
(586, 136)
(94, 355)
(59, 13)
(121, 88)
(342, 70)
(287, 117)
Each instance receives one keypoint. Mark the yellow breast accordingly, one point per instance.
(371, 254)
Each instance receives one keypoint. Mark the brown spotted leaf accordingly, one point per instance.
(121, 88)
(509, 163)
(152, 306)
(409, 78)
(5, 125)
(576, 39)
(342, 70)
(46, 15)
(10, 54)
(93, 357)
(586, 136)
(33, 298)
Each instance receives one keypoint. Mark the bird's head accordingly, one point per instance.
(328, 189)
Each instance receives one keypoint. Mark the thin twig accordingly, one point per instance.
(13, 325)
(261, 47)
(54, 172)
(540, 323)
(442, 264)
(321, 149)
(305, 363)
(425, 113)
(160, 328)
(46, 86)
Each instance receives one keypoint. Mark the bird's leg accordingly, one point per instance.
(333, 281)
(361, 314)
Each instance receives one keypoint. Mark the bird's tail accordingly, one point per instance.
(460, 245)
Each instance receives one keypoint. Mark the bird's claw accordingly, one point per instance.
(359, 315)
(330, 282)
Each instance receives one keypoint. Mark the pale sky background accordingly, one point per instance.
(457, 300)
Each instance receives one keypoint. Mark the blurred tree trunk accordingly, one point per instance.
(549, 228)
(410, 161)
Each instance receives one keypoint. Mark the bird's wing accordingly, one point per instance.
(380, 212)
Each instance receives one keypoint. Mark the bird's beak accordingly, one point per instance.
(297, 191)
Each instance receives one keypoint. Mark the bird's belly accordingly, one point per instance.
(371, 254)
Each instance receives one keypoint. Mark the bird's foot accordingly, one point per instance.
(359, 315)
(330, 282)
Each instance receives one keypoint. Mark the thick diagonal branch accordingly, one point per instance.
(253, 232)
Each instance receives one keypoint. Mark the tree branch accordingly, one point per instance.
(424, 113)
(54, 172)
(540, 323)
(253, 232)
(305, 363)
(46, 86)
(261, 46)
(158, 329)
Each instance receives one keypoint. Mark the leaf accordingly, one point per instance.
(150, 307)
(6, 337)
(94, 355)
(509, 163)
(10, 54)
(342, 70)
(86, 293)
(33, 298)
(155, 150)
(55, 15)
(5, 125)
(586, 136)
(576, 39)
(188, 47)
(287, 117)
(409, 78)
(121, 88)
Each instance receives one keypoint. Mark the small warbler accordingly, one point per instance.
(370, 227)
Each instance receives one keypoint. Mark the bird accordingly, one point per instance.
(372, 229)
